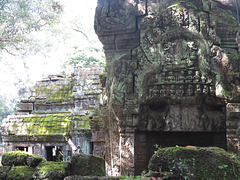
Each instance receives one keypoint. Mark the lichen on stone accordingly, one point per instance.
(87, 165)
(54, 92)
(20, 173)
(16, 158)
(52, 170)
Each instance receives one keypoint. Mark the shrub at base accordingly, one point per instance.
(16, 158)
(194, 163)
(87, 165)
(52, 170)
(20, 173)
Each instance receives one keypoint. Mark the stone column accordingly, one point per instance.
(127, 153)
(232, 125)
(116, 27)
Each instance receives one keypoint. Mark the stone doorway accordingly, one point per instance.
(54, 153)
(146, 142)
(49, 152)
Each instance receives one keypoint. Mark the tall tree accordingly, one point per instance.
(20, 18)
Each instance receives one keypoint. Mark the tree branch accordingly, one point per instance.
(81, 33)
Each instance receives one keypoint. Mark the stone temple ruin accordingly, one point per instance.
(54, 121)
(172, 79)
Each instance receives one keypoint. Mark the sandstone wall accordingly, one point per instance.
(172, 66)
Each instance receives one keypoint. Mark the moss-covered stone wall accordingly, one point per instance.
(172, 66)
(59, 112)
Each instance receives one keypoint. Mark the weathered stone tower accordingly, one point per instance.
(172, 77)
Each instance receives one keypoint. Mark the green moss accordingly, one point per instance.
(82, 122)
(20, 173)
(196, 163)
(34, 160)
(16, 158)
(57, 93)
(3, 171)
(63, 94)
(45, 125)
(87, 165)
(52, 170)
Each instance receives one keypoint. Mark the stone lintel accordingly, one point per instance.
(25, 107)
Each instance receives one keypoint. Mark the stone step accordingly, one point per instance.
(229, 42)
(230, 39)
(229, 46)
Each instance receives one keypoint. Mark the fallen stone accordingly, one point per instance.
(87, 165)
(194, 163)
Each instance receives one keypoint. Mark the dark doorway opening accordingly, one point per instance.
(54, 153)
(146, 143)
(49, 152)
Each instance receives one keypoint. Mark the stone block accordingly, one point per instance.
(115, 17)
(87, 165)
(232, 124)
(142, 7)
(108, 42)
(118, 55)
(135, 120)
(98, 136)
(25, 107)
(99, 149)
(127, 41)
(217, 155)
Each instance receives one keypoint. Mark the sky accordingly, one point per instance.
(25, 71)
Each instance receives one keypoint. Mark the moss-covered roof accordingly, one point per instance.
(49, 124)
(57, 91)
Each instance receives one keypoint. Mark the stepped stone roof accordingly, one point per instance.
(46, 124)
(57, 107)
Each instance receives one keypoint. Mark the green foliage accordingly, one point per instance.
(20, 18)
(194, 163)
(103, 78)
(84, 58)
(236, 58)
(4, 110)
(52, 170)
(20, 173)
